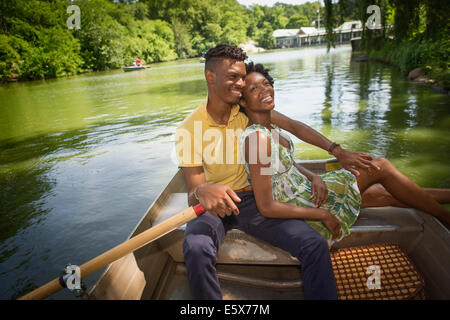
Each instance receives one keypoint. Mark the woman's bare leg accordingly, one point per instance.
(440, 195)
(401, 188)
(377, 196)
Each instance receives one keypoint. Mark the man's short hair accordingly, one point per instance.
(222, 51)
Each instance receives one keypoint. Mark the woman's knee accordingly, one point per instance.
(385, 169)
(383, 163)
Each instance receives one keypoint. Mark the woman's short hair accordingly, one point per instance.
(251, 67)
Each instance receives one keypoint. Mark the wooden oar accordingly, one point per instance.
(121, 250)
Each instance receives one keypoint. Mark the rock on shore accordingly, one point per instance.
(418, 75)
(251, 47)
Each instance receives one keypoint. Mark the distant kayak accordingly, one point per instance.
(132, 68)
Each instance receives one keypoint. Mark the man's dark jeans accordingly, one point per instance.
(204, 234)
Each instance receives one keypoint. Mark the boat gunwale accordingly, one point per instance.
(164, 192)
(173, 187)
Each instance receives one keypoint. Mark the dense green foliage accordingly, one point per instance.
(35, 42)
(433, 56)
(419, 36)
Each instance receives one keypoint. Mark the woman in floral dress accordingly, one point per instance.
(290, 184)
(330, 202)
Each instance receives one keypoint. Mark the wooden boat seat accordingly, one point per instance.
(374, 225)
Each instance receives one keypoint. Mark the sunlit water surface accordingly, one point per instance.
(81, 159)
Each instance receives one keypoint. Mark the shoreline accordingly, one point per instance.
(252, 50)
(250, 46)
(416, 75)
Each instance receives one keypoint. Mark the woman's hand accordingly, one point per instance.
(331, 223)
(319, 190)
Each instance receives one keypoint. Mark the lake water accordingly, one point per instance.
(82, 158)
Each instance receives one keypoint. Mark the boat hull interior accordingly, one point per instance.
(249, 268)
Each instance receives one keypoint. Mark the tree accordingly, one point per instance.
(34, 43)
(297, 21)
(213, 32)
(264, 36)
(182, 39)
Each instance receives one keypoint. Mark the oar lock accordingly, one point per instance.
(71, 279)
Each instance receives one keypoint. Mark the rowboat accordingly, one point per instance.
(248, 268)
(135, 68)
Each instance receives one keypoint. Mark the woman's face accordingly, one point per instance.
(258, 93)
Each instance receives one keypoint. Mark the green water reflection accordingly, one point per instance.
(82, 158)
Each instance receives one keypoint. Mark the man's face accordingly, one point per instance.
(228, 81)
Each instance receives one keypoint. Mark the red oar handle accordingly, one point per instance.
(199, 210)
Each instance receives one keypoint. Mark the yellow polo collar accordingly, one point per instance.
(210, 121)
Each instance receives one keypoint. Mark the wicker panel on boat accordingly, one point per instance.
(356, 279)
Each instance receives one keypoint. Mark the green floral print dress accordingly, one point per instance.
(291, 186)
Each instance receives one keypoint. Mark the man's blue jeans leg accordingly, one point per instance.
(204, 234)
(201, 242)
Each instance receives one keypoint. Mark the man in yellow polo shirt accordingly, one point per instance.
(204, 143)
(207, 150)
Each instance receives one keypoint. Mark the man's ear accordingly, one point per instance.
(210, 77)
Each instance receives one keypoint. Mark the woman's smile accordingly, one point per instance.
(266, 98)
(258, 92)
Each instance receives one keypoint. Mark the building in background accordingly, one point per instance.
(307, 36)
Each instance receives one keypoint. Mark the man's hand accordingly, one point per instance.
(351, 160)
(217, 199)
